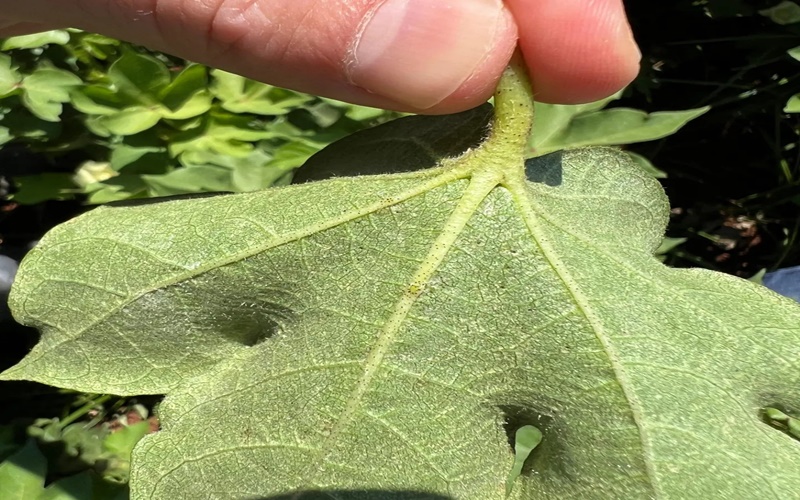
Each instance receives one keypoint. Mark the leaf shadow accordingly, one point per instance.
(404, 145)
(547, 169)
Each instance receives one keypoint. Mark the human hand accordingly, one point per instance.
(431, 56)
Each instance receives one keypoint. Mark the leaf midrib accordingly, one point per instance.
(481, 185)
(623, 264)
(433, 183)
(529, 214)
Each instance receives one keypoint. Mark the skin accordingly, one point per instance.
(438, 56)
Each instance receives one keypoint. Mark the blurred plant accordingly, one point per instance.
(563, 127)
(734, 174)
(85, 454)
(143, 124)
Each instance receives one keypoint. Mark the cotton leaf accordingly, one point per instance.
(35, 40)
(381, 336)
(611, 127)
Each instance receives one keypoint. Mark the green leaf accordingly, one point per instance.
(121, 442)
(784, 13)
(33, 189)
(121, 187)
(90, 46)
(99, 100)
(129, 121)
(140, 154)
(22, 474)
(795, 53)
(781, 420)
(191, 80)
(84, 442)
(46, 89)
(139, 77)
(56, 37)
(186, 96)
(553, 120)
(120, 445)
(378, 333)
(193, 179)
(211, 172)
(647, 165)
(222, 133)
(135, 103)
(21, 123)
(612, 127)
(10, 78)
(759, 276)
(669, 244)
(258, 170)
(793, 104)
(358, 113)
(292, 155)
(84, 486)
(5, 135)
(242, 95)
(196, 105)
(526, 439)
(75, 487)
(90, 172)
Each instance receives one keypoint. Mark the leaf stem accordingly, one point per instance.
(513, 101)
(85, 409)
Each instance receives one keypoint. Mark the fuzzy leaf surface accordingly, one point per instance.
(382, 336)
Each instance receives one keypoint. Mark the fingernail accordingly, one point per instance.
(418, 52)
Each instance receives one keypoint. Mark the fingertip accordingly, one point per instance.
(432, 56)
(409, 55)
(577, 50)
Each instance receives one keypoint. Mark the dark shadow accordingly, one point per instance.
(255, 322)
(358, 495)
(247, 315)
(22, 402)
(17, 339)
(403, 145)
(547, 169)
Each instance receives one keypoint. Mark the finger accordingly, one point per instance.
(14, 28)
(414, 55)
(577, 50)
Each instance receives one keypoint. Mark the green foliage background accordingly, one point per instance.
(145, 124)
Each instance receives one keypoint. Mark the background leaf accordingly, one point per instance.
(139, 77)
(786, 12)
(793, 104)
(35, 40)
(241, 95)
(38, 188)
(609, 127)
(22, 474)
(45, 91)
(9, 76)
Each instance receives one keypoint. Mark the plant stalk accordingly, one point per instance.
(513, 101)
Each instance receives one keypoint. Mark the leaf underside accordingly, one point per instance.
(363, 336)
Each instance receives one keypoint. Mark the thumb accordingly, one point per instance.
(412, 55)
